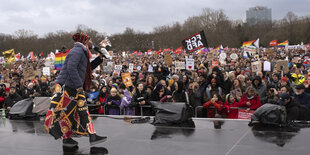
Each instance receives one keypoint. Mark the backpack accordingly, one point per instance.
(22, 110)
(269, 114)
(170, 113)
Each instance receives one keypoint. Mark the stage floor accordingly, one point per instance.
(234, 138)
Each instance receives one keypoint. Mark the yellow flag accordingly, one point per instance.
(9, 55)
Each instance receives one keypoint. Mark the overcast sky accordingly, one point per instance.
(113, 16)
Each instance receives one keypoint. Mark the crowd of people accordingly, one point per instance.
(220, 90)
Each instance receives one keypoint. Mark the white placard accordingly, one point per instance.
(179, 65)
(118, 67)
(150, 69)
(190, 64)
(46, 71)
(130, 69)
(138, 68)
(267, 66)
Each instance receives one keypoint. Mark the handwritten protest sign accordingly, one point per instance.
(179, 65)
(127, 79)
(256, 66)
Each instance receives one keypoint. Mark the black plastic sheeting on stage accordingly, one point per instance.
(233, 137)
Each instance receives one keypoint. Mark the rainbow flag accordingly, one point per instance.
(60, 59)
(283, 44)
(247, 43)
(219, 48)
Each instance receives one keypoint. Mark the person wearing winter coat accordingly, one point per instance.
(113, 103)
(101, 99)
(125, 103)
(194, 95)
(141, 98)
(230, 106)
(301, 96)
(218, 106)
(294, 110)
(260, 89)
(250, 100)
(13, 98)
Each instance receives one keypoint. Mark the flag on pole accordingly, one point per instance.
(256, 43)
(273, 43)
(60, 59)
(247, 43)
(283, 44)
(178, 50)
(9, 55)
(219, 48)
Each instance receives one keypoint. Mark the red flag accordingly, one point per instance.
(41, 54)
(273, 43)
(148, 51)
(178, 50)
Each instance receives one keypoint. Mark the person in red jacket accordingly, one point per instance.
(230, 105)
(218, 106)
(249, 100)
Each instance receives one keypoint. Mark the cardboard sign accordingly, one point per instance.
(281, 65)
(195, 42)
(256, 66)
(179, 65)
(168, 59)
(190, 64)
(127, 79)
(38, 73)
(28, 74)
(243, 114)
(46, 71)
(210, 55)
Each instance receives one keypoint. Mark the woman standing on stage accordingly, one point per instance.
(68, 114)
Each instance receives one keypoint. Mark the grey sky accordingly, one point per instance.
(113, 16)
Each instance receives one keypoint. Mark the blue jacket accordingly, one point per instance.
(303, 99)
(73, 71)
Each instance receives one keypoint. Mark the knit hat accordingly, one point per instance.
(285, 79)
(6, 89)
(300, 86)
(80, 37)
(213, 80)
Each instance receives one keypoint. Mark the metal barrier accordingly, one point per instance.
(201, 107)
(144, 106)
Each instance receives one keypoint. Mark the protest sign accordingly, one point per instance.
(234, 56)
(38, 73)
(130, 69)
(214, 64)
(179, 65)
(127, 79)
(243, 114)
(46, 71)
(256, 66)
(118, 67)
(150, 69)
(281, 65)
(168, 59)
(28, 74)
(267, 66)
(195, 42)
(190, 64)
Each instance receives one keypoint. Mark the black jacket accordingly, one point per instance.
(11, 100)
(295, 111)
